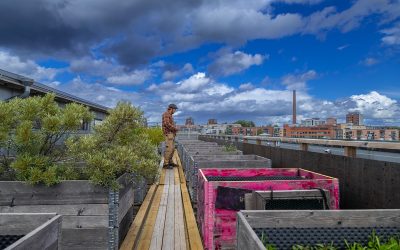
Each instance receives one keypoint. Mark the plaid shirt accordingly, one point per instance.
(168, 125)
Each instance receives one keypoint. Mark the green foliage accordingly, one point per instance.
(120, 144)
(30, 133)
(155, 135)
(230, 148)
(245, 123)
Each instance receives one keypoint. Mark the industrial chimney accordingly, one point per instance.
(294, 107)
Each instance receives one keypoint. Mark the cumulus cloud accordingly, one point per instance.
(28, 68)
(98, 93)
(229, 63)
(133, 32)
(375, 105)
(201, 97)
(298, 81)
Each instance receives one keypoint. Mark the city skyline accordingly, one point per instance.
(229, 62)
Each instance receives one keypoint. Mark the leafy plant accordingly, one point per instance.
(230, 148)
(267, 245)
(31, 134)
(117, 146)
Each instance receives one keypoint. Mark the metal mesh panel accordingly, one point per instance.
(7, 240)
(253, 178)
(285, 238)
(294, 204)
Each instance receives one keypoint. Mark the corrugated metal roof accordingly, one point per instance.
(42, 88)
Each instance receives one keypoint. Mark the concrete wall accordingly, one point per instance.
(364, 184)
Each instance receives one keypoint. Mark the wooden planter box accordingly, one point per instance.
(93, 217)
(29, 231)
(284, 229)
(197, 162)
(218, 223)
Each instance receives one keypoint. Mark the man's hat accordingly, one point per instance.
(172, 106)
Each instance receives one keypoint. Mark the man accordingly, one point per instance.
(169, 131)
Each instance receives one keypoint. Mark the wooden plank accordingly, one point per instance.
(84, 238)
(74, 209)
(66, 192)
(157, 237)
(43, 237)
(148, 228)
(22, 223)
(246, 237)
(180, 236)
(168, 238)
(192, 231)
(125, 203)
(94, 221)
(162, 177)
(323, 218)
(133, 233)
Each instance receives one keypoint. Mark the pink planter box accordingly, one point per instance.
(218, 226)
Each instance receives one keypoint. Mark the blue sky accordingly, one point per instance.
(227, 60)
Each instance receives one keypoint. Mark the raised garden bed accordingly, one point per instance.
(197, 162)
(284, 229)
(29, 231)
(221, 194)
(93, 217)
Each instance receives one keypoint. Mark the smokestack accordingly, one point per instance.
(294, 107)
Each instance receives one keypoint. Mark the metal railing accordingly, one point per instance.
(350, 147)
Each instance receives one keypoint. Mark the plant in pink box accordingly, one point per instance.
(221, 193)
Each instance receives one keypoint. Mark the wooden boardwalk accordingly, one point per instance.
(166, 219)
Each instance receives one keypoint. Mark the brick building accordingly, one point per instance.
(355, 118)
(315, 132)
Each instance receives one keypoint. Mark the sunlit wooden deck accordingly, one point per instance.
(165, 219)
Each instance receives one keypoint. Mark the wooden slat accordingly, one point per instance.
(180, 235)
(45, 236)
(192, 231)
(22, 223)
(168, 239)
(145, 238)
(133, 233)
(73, 209)
(162, 177)
(158, 233)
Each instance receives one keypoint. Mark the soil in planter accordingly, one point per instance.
(7, 240)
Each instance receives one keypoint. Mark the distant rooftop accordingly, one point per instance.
(17, 80)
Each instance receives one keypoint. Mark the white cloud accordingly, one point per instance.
(229, 63)
(135, 77)
(98, 93)
(375, 105)
(369, 61)
(343, 47)
(173, 74)
(392, 35)
(298, 81)
(246, 86)
(26, 68)
(351, 18)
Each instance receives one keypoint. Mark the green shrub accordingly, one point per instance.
(155, 135)
(31, 130)
(117, 146)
